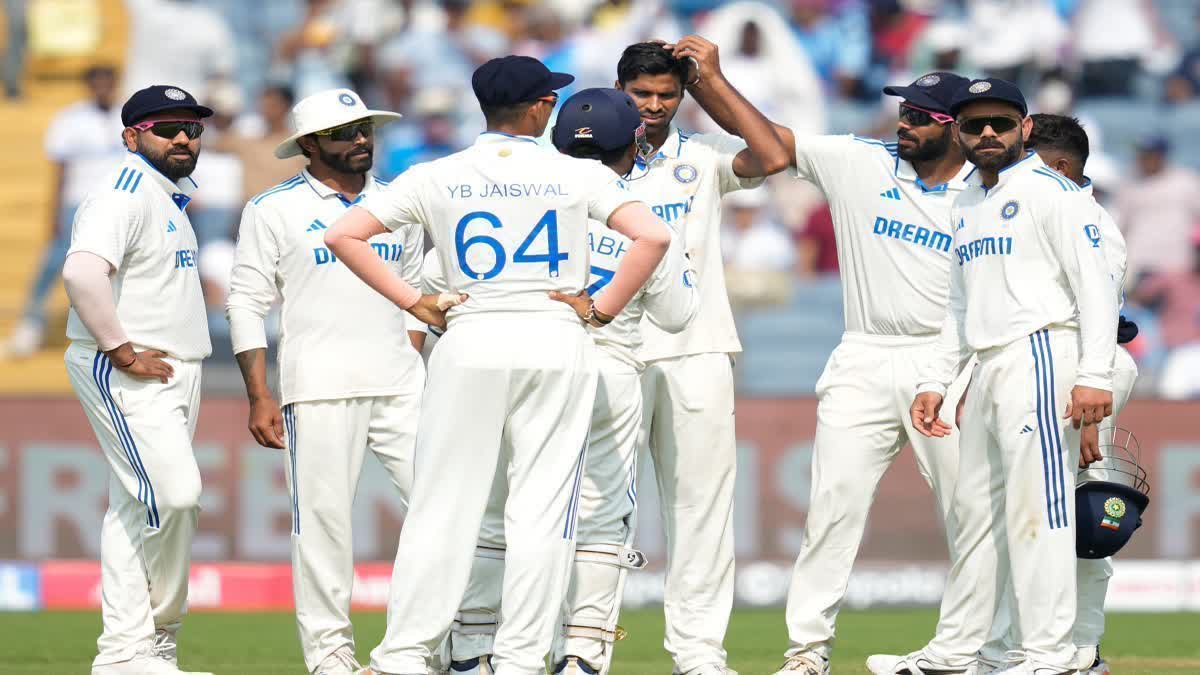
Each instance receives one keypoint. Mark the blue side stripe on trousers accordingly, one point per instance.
(101, 373)
(1058, 446)
(573, 505)
(1043, 430)
(289, 424)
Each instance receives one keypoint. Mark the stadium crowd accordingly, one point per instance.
(1125, 67)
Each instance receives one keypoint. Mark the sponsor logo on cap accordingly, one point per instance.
(583, 132)
(686, 173)
(928, 81)
(174, 94)
(980, 87)
(347, 99)
(1010, 210)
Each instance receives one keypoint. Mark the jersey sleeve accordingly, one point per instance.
(670, 297)
(818, 158)
(433, 278)
(252, 284)
(107, 224)
(724, 148)
(607, 195)
(1115, 251)
(1072, 229)
(401, 202)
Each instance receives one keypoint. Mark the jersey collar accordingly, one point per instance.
(1087, 186)
(180, 191)
(906, 171)
(325, 192)
(671, 149)
(501, 137)
(1026, 164)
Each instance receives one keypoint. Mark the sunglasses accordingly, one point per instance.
(169, 129)
(974, 126)
(349, 132)
(918, 117)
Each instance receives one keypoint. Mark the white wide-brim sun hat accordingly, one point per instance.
(326, 110)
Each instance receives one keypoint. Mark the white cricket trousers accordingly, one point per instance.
(864, 396)
(607, 502)
(515, 389)
(1091, 575)
(1015, 503)
(327, 442)
(144, 428)
(689, 431)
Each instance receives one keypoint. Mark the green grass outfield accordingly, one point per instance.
(260, 643)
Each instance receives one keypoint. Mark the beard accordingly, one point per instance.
(349, 161)
(172, 166)
(997, 161)
(924, 151)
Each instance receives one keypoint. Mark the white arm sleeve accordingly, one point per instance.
(86, 278)
(252, 286)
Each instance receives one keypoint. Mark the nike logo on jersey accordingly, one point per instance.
(893, 193)
(913, 234)
(317, 226)
(170, 226)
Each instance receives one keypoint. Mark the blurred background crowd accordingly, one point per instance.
(1129, 69)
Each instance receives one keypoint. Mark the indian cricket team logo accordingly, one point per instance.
(980, 87)
(928, 81)
(1010, 210)
(1093, 234)
(347, 99)
(174, 94)
(1114, 511)
(686, 173)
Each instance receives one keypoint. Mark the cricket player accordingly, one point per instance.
(1062, 144)
(1032, 296)
(334, 409)
(513, 380)
(138, 333)
(604, 125)
(688, 382)
(891, 213)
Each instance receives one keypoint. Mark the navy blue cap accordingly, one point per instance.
(152, 99)
(606, 118)
(934, 91)
(1155, 142)
(989, 89)
(515, 79)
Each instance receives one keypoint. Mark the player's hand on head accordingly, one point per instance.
(706, 60)
(580, 302)
(1088, 405)
(924, 413)
(431, 309)
(1089, 446)
(266, 423)
(147, 364)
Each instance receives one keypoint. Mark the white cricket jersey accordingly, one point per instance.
(338, 338)
(1029, 254)
(1115, 250)
(135, 220)
(893, 233)
(508, 219)
(683, 184)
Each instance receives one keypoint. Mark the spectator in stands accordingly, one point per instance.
(256, 152)
(758, 254)
(433, 137)
(82, 143)
(1177, 295)
(1184, 83)
(442, 55)
(185, 43)
(1111, 40)
(894, 30)
(940, 46)
(1159, 210)
(215, 207)
(1013, 39)
(14, 58)
(838, 43)
(816, 245)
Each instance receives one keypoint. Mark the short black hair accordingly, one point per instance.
(1059, 132)
(593, 151)
(649, 58)
(504, 114)
(283, 91)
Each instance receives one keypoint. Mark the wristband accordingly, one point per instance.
(595, 317)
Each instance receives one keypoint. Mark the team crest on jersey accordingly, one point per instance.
(1093, 234)
(347, 99)
(928, 81)
(1010, 210)
(686, 173)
